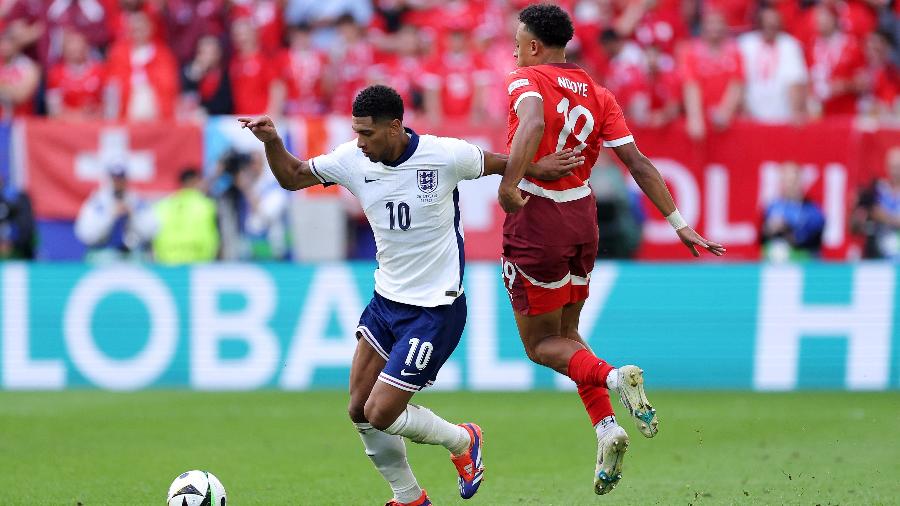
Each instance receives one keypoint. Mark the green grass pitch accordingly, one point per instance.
(272, 448)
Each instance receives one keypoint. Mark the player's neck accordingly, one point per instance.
(554, 57)
(400, 148)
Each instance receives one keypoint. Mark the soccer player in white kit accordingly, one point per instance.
(407, 186)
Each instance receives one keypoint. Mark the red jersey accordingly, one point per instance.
(837, 58)
(155, 64)
(738, 14)
(403, 73)
(662, 26)
(351, 74)
(80, 87)
(711, 69)
(580, 114)
(302, 73)
(12, 73)
(457, 76)
(251, 76)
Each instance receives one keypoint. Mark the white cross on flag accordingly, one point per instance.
(64, 161)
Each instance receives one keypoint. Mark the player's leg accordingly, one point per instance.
(539, 283)
(388, 409)
(612, 440)
(596, 399)
(386, 451)
(627, 381)
(426, 338)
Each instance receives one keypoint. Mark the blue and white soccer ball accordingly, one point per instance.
(196, 488)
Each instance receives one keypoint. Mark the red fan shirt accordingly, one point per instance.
(80, 87)
(712, 70)
(251, 79)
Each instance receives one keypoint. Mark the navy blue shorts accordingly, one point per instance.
(415, 341)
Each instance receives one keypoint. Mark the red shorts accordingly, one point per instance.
(541, 279)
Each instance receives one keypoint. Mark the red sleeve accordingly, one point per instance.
(613, 129)
(432, 75)
(686, 63)
(738, 74)
(520, 84)
(54, 77)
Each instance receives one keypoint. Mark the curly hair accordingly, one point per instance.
(380, 102)
(549, 23)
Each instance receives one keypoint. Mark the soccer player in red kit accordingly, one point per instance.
(550, 233)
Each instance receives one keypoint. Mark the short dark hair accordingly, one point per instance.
(380, 102)
(188, 175)
(549, 23)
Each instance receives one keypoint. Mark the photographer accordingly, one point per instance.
(252, 209)
(16, 224)
(113, 221)
(792, 223)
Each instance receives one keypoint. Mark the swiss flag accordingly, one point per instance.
(66, 160)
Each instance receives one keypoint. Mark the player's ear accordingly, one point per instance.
(396, 127)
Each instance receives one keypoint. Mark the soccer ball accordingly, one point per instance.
(196, 488)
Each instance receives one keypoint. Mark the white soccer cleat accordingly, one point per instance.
(611, 450)
(631, 393)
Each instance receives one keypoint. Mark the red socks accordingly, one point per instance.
(586, 369)
(589, 373)
(596, 402)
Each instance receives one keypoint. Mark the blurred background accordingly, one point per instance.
(776, 125)
(148, 247)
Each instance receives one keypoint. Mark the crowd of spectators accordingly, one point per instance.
(709, 60)
(238, 213)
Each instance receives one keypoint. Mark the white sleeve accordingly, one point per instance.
(468, 159)
(95, 220)
(333, 168)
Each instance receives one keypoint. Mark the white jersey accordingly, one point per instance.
(413, 208)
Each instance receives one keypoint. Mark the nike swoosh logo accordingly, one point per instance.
(370, 180)
(404, 373)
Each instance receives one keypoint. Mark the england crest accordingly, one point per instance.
(428, 180)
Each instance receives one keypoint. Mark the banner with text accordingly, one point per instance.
(240, 327)
(721, 184)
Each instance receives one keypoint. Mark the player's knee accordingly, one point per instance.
(357, 411)
(546, 354)
(533, 355)
(379, 416)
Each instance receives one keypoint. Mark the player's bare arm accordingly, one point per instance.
(291, 172)
(524, 146)
(549, 168)
(653, 185)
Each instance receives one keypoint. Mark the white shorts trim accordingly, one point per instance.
(555, 195)
(394, 382)
(618, 142)
(581, 281)
(550, 286)
(367, 335)
(525, 95)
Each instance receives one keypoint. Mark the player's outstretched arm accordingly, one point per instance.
(653, 185)
(291, 172)
(549, 168)
(524, 145)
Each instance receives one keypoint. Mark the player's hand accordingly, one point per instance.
(511, 199)
(692, 239)
(557, 165)
(263, 128)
